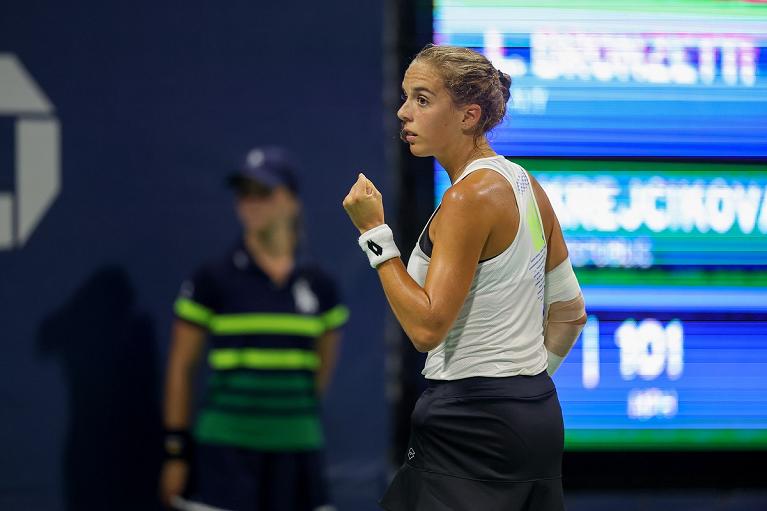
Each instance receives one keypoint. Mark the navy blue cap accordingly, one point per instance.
(268, 166)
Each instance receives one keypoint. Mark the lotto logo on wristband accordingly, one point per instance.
(378, 245)
(375, 248)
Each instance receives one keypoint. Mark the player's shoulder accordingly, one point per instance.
(485, 192)
(474, 190)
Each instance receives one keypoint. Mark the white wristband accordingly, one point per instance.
(378, 245)
(554, 362)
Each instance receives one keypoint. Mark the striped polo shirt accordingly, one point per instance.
(261, 391)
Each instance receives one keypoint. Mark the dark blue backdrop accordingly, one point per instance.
(156, 103)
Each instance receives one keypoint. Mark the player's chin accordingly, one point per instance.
(419, 149)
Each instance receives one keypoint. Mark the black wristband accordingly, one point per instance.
(177, 444)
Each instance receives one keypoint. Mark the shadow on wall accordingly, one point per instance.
(108, 352)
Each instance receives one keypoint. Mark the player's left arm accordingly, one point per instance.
(465, 220)
(565, 307)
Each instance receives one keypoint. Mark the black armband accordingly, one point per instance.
(177, 444)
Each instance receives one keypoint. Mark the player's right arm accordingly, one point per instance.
(187, 344)
(565, 308)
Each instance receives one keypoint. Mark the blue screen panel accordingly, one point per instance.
(641, 78)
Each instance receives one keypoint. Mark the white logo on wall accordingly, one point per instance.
(37, 154)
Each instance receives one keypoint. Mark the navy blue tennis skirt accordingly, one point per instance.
(489, 444)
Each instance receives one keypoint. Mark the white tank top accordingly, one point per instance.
(499, 330)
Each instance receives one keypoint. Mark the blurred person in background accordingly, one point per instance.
(272, 325)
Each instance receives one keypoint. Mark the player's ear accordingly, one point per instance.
(471, 115)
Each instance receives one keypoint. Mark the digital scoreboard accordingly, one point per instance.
(613, 78)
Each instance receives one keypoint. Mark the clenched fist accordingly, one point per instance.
(364, 204)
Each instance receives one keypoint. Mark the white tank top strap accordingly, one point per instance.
(497, 163)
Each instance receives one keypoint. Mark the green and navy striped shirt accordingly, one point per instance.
(261, 393)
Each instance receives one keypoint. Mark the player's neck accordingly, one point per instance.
(458, 158)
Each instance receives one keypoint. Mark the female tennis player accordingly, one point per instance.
(488, 292)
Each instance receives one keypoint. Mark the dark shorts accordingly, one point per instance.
(490, 444)
(243, 479)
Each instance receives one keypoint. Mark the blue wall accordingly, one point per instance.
(156, 104)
